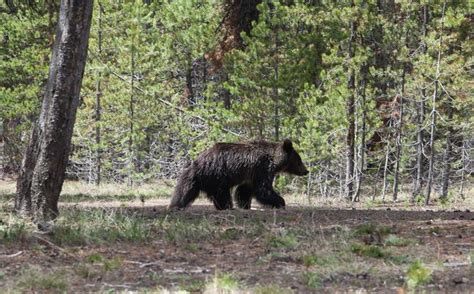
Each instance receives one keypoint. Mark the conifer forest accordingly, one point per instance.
(106, 105)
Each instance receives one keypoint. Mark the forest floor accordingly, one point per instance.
(101, 243)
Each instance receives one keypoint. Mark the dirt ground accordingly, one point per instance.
(300, 250)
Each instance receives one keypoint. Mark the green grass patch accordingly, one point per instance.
(399, 259)
(179, 231)
(369, 251)
(418, 274)
(371, 229)
(192, 286)
(86, 271)
(282, 240)
(14, 232)
(98, 227)
(393, 240)
(112, 264)
(231, 234)
(312, 279)
(312, 260)
(95, 258)
(223, 284)
(191, 247)
(35, 278)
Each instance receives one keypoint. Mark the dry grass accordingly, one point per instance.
(116, 194)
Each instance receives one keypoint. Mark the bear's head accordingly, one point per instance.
(293, 165)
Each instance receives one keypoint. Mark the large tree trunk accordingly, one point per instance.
(44, 164)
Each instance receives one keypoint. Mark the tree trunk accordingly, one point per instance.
(420, 114)
(276, 118)
(98, 107)
(131, 114)
(396, 176)
(447, 151)
(385, 170)
(363, 133)
(44, 164)
(350, 109)
(433, 113)
(464, 164)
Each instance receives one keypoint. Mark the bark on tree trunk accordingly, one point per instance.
(44, 164)
(447, 151)
(463, 169)
(131, 113)
(399, 138)
(98, 107)
(385, 171)
(433, 113)
(276, 106)
(363, 83)
(350, 109)
(420, 114)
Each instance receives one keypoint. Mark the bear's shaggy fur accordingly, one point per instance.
(251, 166)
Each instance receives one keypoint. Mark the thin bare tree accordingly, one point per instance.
(433, 112)
(350, 111)
(98, 107)
(420, 116)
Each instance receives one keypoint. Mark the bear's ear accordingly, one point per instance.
(287, 145)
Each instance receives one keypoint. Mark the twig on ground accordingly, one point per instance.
(141, 264)
(11, 255)
(54, 246)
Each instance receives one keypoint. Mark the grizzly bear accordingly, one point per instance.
(251, 166)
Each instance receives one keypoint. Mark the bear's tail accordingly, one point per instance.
(186, 191)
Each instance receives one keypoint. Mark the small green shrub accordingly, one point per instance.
(86, 271)
(286, 240)
(418, 274)
(222, 283)
(371, 229)
(420, 199)
(312, 280)
(231, 234)
(34, 278)
(369, 251)
(399, 259)
(15, 232)
(68, 235)
(393, 240)
(112, 264)
(312, 259)
(95, 258)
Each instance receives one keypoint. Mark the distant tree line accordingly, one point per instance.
(378, 95)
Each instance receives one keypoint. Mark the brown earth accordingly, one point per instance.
(443, 240)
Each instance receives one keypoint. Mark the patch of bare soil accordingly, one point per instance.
(276, 255)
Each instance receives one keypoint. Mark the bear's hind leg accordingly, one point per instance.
(243, 196)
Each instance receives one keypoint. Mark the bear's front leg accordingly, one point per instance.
(266, 195)
(222, 200)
